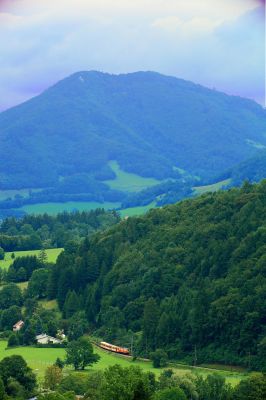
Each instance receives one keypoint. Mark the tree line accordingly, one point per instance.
(45, 231)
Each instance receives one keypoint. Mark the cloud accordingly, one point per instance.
(213, 42)
(193, 26)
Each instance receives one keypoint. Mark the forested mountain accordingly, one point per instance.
(147, 122)
(188, 278)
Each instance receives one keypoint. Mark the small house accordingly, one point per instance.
(46, 339)
(18, 326)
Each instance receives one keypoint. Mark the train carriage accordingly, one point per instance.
(114, 349)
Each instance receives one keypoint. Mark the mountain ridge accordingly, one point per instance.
(147, 122)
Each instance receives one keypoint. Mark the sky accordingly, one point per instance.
(217, 43)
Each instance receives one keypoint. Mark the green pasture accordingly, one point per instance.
(211, 188)
(108, 359)
(39, 359)
(52, 255)
(55, 208)
(128, 182)
(132, 211)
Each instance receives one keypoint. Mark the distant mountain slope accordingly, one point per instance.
(146, 121)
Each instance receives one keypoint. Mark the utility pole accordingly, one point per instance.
(195, 355)
(131, 345)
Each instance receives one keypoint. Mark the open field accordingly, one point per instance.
(39, 359)
(128, 182)
(52, 255)
(211, 188)
(108, 359)
(55, 208)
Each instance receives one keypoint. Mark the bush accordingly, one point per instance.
(2, 253)
(174, 393)
(13, 340)
(53, 377)
(59, 363)
(159, 358)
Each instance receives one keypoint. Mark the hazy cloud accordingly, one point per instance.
(214, 42)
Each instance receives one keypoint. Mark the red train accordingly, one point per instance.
(113, 348)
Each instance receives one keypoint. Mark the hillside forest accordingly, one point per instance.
(188, 279)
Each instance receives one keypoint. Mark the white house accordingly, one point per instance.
(18, 326)
(46, 339)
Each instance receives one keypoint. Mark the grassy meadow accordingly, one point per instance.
(132, 211)
(39, 359)
(52, 255)
(128, 182)
(198, 190)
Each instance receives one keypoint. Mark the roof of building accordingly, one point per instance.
(45, 336)
(19, 323)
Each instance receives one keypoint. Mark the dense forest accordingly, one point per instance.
(185, 282)
(45, 231)
(188, 278)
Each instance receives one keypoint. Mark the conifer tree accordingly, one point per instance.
(71, 304)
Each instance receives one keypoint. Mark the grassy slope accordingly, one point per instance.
(198, 190)
(128, 182)
(38, 359)
(130, 212)
(52, 255)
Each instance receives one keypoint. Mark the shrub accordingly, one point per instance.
(159, 358)
(13, 340)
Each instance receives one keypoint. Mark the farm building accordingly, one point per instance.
(46, 339)
(18, 326)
